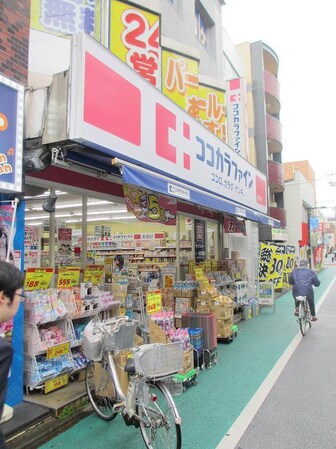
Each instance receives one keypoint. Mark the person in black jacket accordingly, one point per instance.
(303, 279)
(11, 283)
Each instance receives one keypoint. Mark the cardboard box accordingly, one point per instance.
(224, 328)
(182, 305)
(178, 322)
(222, 311)
(202, 302)
(188, 361)
(157, 334)
(102, 377)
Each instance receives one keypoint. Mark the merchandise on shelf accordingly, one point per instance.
(43, 306)
(38, 338)
(39, 369)
(79, 360)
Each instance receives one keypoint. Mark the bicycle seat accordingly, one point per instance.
(130, 366)
(300, 298)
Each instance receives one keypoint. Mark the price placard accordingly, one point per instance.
(68, 277)
(58, 350)
(199, 275)
(94, 274)
(38, 278)
(214, 265)
(154, 301)
(206, 284)
(54, 384)
(208, 265)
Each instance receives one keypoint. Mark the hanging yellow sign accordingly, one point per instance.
(199, 275)
(54, 384)
(154, 301)
(94, 274)
(68, 277)
(38, 278)
(58, 350)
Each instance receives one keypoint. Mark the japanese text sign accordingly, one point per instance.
(68, 277)
(64, 17)
(134, 38)
(38, 278)
(149, 206)
(180, 81)
(148, 129)
(11, 134)
(58, 350)
(271, 263)
(154, 301)
(54, 384)
(94, 274)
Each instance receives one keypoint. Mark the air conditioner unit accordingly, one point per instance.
(36, 159)
(273, 204)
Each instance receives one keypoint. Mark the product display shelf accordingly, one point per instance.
(38, 369)
(39, 338)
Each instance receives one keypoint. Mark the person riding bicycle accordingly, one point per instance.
(303, 279)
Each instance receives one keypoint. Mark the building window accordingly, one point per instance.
(201, 30)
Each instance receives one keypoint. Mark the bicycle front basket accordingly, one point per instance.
(123, 338)
(159, 360)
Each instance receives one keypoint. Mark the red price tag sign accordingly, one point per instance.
(154, 301)
(38, 278)
(68, 277)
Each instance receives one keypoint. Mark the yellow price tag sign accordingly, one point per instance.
(37, 278)
(68, 277)
(206, 283)
(154, 301)
(199, 275)
(54, 384)
(214, 265)
(58, 350)
(94, 274)
(208, 265)
(191, 267)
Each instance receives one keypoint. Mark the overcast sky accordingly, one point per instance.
(303, 35)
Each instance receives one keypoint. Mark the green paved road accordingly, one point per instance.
(209, 409)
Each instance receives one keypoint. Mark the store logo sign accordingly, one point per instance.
(178, 191)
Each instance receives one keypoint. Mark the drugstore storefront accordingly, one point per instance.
(159, 207)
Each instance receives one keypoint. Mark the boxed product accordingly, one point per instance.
(183, 305)
(188, 361)
(224, 328)
(222, 311)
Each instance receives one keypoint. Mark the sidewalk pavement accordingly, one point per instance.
(210, 409)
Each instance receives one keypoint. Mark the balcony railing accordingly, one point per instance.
(274, 134)
(276, 178)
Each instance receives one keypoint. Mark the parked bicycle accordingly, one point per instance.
(304, 317)
(148, 403)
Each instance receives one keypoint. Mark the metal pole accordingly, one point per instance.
(309, 240)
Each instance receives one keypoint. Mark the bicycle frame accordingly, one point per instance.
(128, 403)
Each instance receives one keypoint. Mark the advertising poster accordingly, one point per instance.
(149, 206)
(271, 263)
(199, 241)
(32, 246)
(234, 226)
(237, 117)
(13, 330)
(212, 110)
(11, 119)
(180, 81)
(65, 17)
(135, 39)
(289, 264)
(64, 241)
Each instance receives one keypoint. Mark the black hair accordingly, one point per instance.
(121, 261)
(11, 279)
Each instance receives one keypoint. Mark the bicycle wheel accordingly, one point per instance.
(100, 390)
(303, 318)
(160, 427)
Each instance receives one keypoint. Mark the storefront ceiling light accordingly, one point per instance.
(72, 205)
